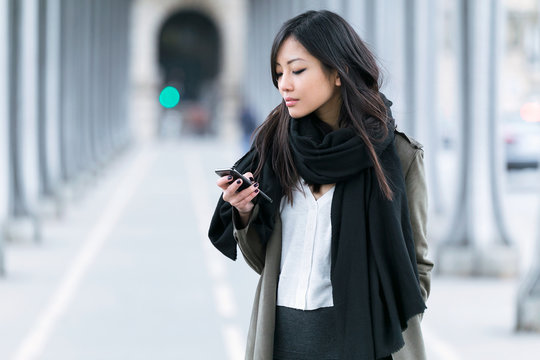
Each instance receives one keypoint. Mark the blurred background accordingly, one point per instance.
(113, 115)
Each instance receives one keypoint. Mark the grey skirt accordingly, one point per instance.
(303, 335)
(306, 335)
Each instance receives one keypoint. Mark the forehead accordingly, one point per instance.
(291, 49)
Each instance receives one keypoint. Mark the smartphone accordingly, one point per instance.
(245, 181)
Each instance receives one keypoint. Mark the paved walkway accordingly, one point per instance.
(128, 273)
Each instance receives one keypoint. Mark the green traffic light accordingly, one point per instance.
(169, 97)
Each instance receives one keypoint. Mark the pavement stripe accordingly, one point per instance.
(224, 300)
(437, 346)
(226, 304)
(233, 338)
(33, 344)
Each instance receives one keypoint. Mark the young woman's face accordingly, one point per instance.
(305, 85)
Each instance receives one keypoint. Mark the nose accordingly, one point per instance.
(285, 83)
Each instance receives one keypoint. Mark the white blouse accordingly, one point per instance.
(304, 280)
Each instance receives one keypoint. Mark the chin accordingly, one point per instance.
(297, 114)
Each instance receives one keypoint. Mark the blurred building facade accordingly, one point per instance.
(195, 45)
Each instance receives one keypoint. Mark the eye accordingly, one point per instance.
(278, 75)
(297, 72)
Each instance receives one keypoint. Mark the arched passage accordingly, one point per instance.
(189, 52)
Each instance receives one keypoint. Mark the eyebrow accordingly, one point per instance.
(290, 61)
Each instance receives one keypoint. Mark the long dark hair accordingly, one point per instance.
(329, 38)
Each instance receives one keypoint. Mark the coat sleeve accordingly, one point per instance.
(415, 182)
(248, 241)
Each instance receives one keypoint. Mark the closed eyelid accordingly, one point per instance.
(277, 72)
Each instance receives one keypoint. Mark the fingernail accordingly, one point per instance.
(256, 191)
(238, 181)
(252, 179)
(229, 177)
(256, 184)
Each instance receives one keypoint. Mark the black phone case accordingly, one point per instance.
(245, 181)
(236, 175)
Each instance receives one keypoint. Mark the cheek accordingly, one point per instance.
(318, 97)
(325, 93)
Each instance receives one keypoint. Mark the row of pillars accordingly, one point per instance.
(403, 33)
(63, 113)
(478, 242)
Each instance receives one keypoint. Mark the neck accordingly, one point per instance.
(329, 113)
(331, 121)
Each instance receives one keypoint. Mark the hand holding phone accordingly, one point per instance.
(245, 181)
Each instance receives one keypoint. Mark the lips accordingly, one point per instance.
(289, 101)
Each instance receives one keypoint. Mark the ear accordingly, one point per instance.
(337, 80)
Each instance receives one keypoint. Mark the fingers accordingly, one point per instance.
(232, 195)
(249, 176)
(230, 192)
(224, 182)
(241, 200)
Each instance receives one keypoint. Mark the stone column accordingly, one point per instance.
(477, 243)
(263, 24)
(336, 6)
(97, 79)
(420, 91)
(144, 70)
(51, 107)
(428, 130)
(80, 86)
(111, 65)
(234, 36)
(93, 54)
(370, 21)
(528, 301)
(68, 134)
(23, 223)
(66, 117)
(4, 125)
(383, 32)
(412, 55)
(122, 65)
(84, 114)
(355, 14)
(106, 86)
(123, 81)
(100, 85)
(75, 118)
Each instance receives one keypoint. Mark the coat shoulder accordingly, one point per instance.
(403, 139)
(407, 149)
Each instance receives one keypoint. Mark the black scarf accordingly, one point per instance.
(374, 274)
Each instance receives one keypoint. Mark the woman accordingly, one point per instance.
(335, 249)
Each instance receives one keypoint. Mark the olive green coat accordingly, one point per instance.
(266, 262)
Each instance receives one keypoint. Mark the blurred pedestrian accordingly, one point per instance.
(249, 124)
(340, 248)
